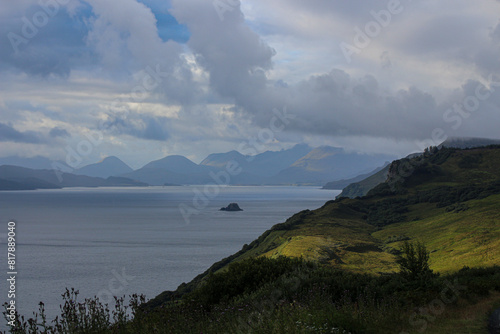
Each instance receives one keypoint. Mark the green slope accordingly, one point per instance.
(361, 188)
(449, 199)
(449, 202)
(341, 184)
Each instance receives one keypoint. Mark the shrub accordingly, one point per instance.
(241, 278)
(414, 262)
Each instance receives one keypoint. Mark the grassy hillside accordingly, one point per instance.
(335, 269)
(447, 199)
(341, 184)
(362, 187)
(449, 202)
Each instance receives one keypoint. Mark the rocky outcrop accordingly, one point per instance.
(232, 207)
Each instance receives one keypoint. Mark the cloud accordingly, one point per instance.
(210, 81)
(168, 27)
(337, 103)
(228, 49)
(43, 42)
(9, 134)
(59, 132)
(154, 130)
(495, 35)
(143, 127)
(130, 28)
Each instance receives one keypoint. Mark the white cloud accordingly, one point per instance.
(222, 85)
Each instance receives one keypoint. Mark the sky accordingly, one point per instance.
(81, 80)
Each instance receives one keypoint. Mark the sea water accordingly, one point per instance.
(120, 241)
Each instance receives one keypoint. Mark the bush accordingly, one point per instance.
(241, 278)
(89, 316)
(414, 262)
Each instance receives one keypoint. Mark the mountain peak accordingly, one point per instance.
(318, 153)
(173, 163)
(109, 166)
(109, 159)
(220, 159)
(170, 159)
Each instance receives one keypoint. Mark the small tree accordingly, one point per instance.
(414, 261)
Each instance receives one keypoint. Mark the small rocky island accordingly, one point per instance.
(232, 207)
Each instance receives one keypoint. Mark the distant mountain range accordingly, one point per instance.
(327, 163)
(37, 162)
(299, 165)
(110, 166)
(21, 178)
(173, 169)
(265, 164)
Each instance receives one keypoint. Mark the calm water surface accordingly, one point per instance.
(119, 241)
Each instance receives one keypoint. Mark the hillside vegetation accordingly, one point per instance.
(419, 253)
(447, 199)
(361, 187)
